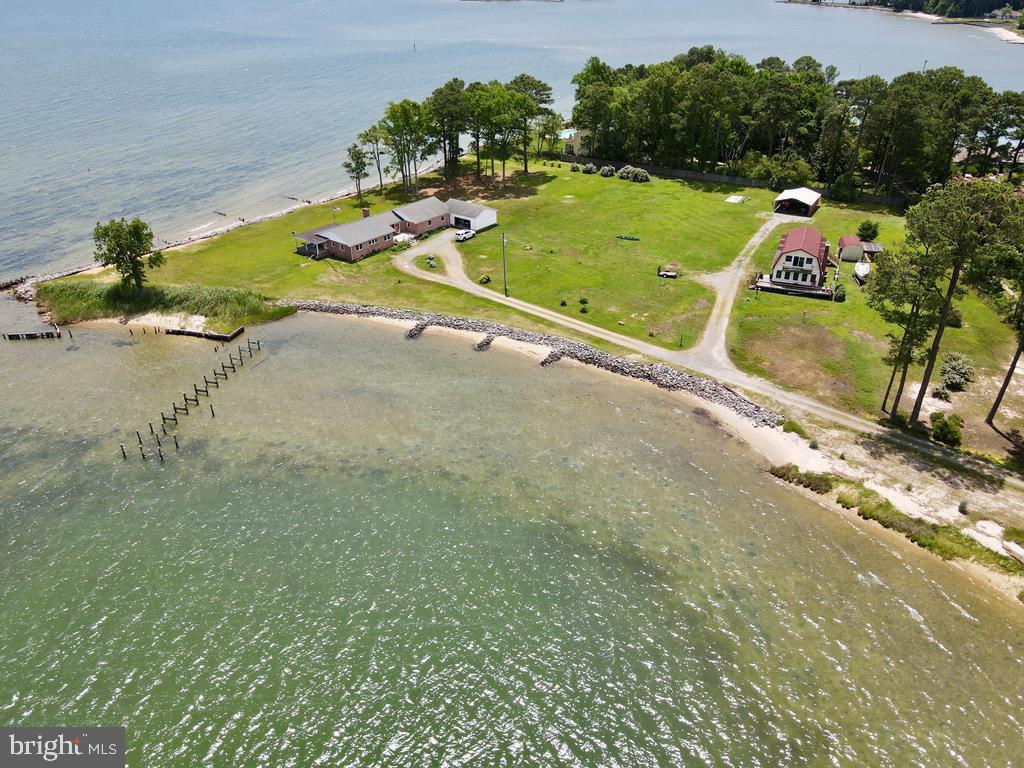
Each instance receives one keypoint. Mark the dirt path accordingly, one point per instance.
(709, 358)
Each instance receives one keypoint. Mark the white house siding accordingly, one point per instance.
(798, 269)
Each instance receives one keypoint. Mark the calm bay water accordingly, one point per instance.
(385, 552)
(173, 110)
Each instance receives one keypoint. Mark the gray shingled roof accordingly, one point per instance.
(422, 210)
(354, 232)
(466, 209)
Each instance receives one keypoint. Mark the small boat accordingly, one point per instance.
(861, 270)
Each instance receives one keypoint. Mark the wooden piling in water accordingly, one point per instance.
(124, 455)
(176, 442)
(212, 414)
(208, 383)
(142, 452)
(151, 430)
(138, 435)
(189, 400)
(160, 451)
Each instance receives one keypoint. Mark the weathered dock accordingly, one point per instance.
(31, 335)
(207, 334)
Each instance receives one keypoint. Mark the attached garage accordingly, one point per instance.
(467, 215)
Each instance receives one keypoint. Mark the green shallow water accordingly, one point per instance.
(384, 552)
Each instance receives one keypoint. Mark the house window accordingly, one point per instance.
(778, 274)
(359, 247)
(789, 259)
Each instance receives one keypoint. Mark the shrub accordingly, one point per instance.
(626, 172)
(941, 393)
(848, 498)
(814, 445)
(574, 168)
(584, 309)
(840, 294)
(868, 231)
(962, 508)
(485, 280)
(590, 168)
(791, 425)
(607, 171)
(584, 300)
(946, 429)
(640, 176)
(563, 303)
(957, 372)
(814, 481)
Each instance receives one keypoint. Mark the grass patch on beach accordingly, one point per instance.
(946, 541)
(224, 308)
(563, 245)
(819, 482)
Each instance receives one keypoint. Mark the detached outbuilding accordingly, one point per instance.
(801, 201)
(469, 215)
(850, 248)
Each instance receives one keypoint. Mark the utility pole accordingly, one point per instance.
(504, 267)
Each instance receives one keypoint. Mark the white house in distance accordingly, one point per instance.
(469, 215)
(801, 262)
(800, 201)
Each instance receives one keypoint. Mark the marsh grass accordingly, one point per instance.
(224, 308)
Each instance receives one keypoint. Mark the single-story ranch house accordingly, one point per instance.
(801, 262)
(363, 237)
(800, 201)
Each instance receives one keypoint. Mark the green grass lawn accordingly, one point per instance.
(833, 351)
(562, 232)
(261, 257)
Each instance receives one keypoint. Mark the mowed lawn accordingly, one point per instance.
(261, 256)
(834, 351)
(562, 230)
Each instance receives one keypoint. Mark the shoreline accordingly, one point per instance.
(772, 445)
(23, 287)
(1001, 33)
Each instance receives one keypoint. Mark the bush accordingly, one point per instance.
(791, 425)
(607, 171)
(584, 309)
(640, 176)
(574, 168)
(814, 481)
(848, 498)
(626, 172)
(946, 429)
(840, 294)
(485, 280)
(962, 508)
(868, 231)
(957, 372)
(563, 303)
(584, 300)
(590, 168)
(941, 393)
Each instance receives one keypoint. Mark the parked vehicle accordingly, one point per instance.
(464, 234)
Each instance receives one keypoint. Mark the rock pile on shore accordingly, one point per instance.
(660, 375)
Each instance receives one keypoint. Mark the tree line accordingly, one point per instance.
(710, 111)
(503, 120)
(951, 8)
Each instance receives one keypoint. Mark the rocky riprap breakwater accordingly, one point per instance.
(24, 288)
(660, 375)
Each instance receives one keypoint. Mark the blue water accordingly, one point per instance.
(173, 110)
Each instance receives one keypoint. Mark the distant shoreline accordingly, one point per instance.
(1002, 33)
